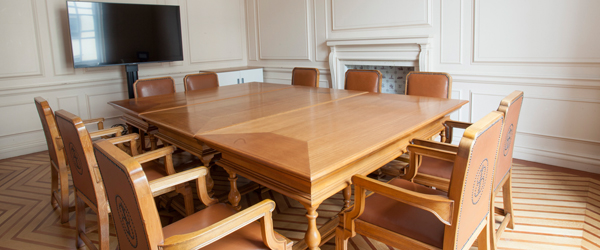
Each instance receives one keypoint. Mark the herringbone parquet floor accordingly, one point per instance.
(554, 209)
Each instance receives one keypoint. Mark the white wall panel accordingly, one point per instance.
(355, 14)
(283, 29)
(216, 30)
(69, 103)
(98, 104)
(537, 31)
(23, 118)
(58, 24)
(19, 48)
(451, 31)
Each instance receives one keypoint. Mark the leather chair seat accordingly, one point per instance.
(248, 237)
(405, 219)
(436, 167)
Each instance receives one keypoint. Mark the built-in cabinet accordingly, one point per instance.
(233, 76)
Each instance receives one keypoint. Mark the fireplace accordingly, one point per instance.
(395, 56)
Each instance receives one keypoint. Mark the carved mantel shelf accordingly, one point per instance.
(407, 51)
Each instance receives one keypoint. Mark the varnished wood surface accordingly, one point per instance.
(180, 99)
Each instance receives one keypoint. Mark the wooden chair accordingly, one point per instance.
(199, 81)
(145, 88)
(86, 183)
(363, 80)
(137, 223)
(429, 84)
(305, 77)
(406, 215)
(60, 174)
(434, 172)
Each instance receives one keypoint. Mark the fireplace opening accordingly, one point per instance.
(393, 77)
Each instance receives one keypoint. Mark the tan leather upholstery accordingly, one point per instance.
(200, 81)
(436, 167)
(512, 106)
(363, 80)
(405, 219)
(154, 86)
(430, 84)
(305, 77)
(249, 237)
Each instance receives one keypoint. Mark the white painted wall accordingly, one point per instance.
(35, 60)
(547, 48)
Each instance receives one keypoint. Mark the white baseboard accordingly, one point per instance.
(23, 149)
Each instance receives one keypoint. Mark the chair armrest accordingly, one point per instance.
(214, 232)
(124, 138)
(441, 207)
(415, 153)
(436, 145)
(450, 125)
(155, 154)
(105, 132)
(160, 185)
(99, 121)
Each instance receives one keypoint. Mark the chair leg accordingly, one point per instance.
(507, 200)
(492, 223)
(483, 241)
(64, 196)
(341, 241)
(54, 188)
(79, 219)
(188, 198)
(103, 228)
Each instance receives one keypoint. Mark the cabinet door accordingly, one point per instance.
(252, 75)
(229, 78)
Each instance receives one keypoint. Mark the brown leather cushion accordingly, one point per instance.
(363, 80)
(305, 77)
(436, 167)
(201, 81)
(248, 237)
(405, 219)
(428, 84)
(154, 86)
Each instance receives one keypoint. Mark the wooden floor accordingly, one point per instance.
(554, 209)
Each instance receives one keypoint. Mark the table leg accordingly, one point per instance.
(234, 195)
(312, 237)
(347, 194)
(209, 180)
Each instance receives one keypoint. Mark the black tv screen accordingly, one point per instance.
(105, 34)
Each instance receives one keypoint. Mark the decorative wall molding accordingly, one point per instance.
(541, 81)
(261, 36)
(61, 105)
(426, 21)
(409, 51)
(460, 32)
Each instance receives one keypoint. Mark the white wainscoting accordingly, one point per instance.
(283, 40)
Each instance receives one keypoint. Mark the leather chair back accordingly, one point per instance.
(511, 107)
(199, 81)
(472, 180)
(50, 131)
(363, 80)
(78, 148)
(305, 77)
(131, 202)
(429, 84)
(153, 86)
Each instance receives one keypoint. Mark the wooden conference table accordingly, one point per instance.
(305, 143)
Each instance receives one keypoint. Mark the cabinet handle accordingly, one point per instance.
(238, 80)
(242, 80)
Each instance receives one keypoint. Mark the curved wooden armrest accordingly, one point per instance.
(155, 154)
(415, 151)
(124, 138)
(450, 125)
(436, 145)
(441, 207)
(214, 232)
(59, 143)
(166, 184)
(104, 132)
(99, 121)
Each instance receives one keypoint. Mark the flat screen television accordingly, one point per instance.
(106, 34)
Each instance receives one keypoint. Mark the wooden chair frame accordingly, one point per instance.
(59, 192)
(431, 149)
(307, 69)
(446, 209)
(449, 95)
(185, 82)
(198, 239)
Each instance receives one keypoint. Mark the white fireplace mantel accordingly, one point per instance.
(409, 51)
